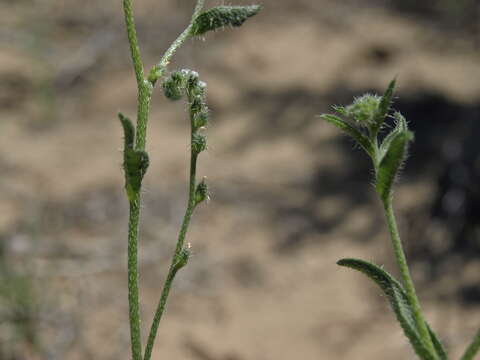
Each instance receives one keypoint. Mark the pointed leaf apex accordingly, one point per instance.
(385, 103)
(128, 130)
(398, 301)
(221, 16)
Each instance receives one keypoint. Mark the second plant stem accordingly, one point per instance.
(176, 256)
(133, 302)
(405, 273)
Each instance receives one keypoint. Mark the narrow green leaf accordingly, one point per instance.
(473, 348)
(361, 139)
(400, 126)
(442, 354)
(128, 130)
(398, 300)
(221, 16)
(392, 161)
(385, 103)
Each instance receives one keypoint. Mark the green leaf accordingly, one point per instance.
(398, 300)
(221, 16)
(128, 130)
(385, 103)
(135, 164)
(400, 126)
(361, 139)
(442, 354)
(395, 153)
(473, 348)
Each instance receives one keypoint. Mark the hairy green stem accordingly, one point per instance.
(133, 222)
(134, 307)
(173, 266)
(143, 110)
(133, 41)
(473, 348)
(406, 277)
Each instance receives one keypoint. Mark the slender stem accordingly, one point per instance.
(173, 268)
(473, 348)
(142, 115)
(159, 70)
(406, 277)
(198, 8)
(143, 110)
(133, 41)
(134, 307)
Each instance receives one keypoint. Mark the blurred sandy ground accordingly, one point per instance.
(289, 195)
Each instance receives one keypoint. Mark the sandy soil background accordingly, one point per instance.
(290, 195)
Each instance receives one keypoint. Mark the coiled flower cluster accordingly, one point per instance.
(187, 83)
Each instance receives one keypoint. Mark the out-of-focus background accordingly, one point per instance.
(290, 194)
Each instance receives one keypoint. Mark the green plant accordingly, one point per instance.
(136, 159)
(363, 120)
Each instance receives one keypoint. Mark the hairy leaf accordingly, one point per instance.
(128, 130)
(135, 164)
(442, 354)
(392, 160)
(398, 300)
(361, 139)
(473, 348)
(221, 16)
(400, 126)
(385, 103)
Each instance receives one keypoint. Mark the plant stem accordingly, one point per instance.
(406, 277)
(133, 41)
(133, 302)
(133, 222)
(173, 268)
(159, 70)
(473, 348)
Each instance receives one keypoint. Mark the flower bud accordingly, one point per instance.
(200, 119)
(199, 143)
(197, 104)
(183, 257)
(201, 193)
(364, 109)
(173, 86)
(191, 81)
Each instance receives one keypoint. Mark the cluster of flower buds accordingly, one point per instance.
(363, 110)
(364, 119)
(187, 83)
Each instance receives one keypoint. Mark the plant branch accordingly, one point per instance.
(159, 70)
(175, 259)
(406, 277)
